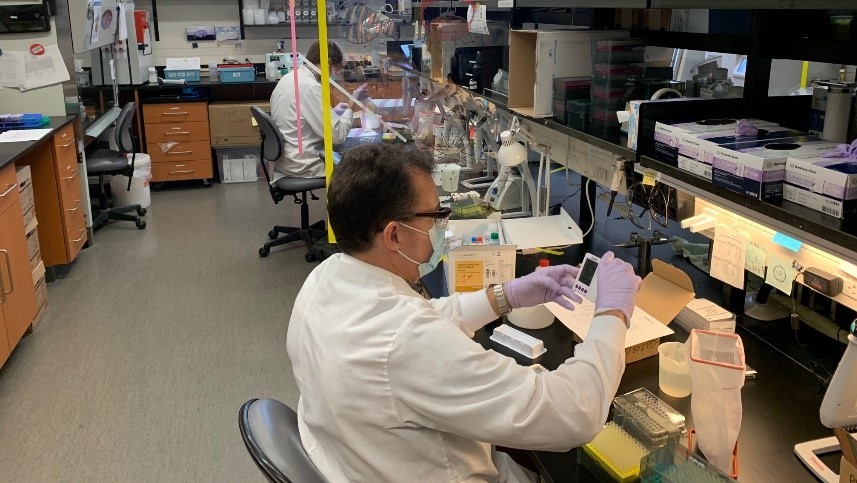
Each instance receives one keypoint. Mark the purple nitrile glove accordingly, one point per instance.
(617, 287)
(844, 151)
(340, 108)
(746, 128)
(552, 284)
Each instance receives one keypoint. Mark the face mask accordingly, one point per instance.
(437, 242)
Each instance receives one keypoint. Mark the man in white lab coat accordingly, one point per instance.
(392, 386)
(308, 164)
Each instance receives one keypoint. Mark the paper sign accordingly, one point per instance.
(469, 276)
(781, 274)
(44, 69)
(478, 22)
(644, 327)
(183, 63)
(755, 259)
(728, 256)
(12, 69)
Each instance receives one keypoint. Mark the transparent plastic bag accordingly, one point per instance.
(717, 376)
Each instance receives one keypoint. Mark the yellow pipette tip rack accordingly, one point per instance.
(613, 455)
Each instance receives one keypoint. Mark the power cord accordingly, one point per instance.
(591, 208)
(795, 325)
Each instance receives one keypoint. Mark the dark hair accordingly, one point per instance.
(372, 186)
(334, 53)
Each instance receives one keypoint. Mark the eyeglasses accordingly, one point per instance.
(654, 199)
(441, 216)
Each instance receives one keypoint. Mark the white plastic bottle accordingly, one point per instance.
(538, 317)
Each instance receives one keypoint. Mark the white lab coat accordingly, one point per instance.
(393, 388)
(284, 113)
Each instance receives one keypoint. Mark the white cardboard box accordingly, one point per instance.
(818, 202)
(701, 146)
(539, 56)
(829, 183)
(473, 267)
(759, 171)
(668, 135)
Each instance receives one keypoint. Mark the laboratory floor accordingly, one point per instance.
(152, 341)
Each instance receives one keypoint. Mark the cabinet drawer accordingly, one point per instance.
(75, 234)
(72, 199)
(8, 188)
(183, 151)
(173, 113)
(186, 131)
(64, 145)
(173, 171)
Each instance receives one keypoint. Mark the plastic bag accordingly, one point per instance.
(717, 376)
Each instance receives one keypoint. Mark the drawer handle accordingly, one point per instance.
(184, 171)
(175, 113)
(176, 153)
(79, 202)
(68, 144)
(81, 237)
(72, 174)
(8, 272)
(176, 133)
(11, 186)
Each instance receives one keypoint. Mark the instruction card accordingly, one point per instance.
(643, 328)
(756, 259)
(781, 274)
(728, 256)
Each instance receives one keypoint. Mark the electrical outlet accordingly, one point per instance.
(849, 288)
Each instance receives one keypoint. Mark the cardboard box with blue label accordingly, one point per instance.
(668, 134)
(828, 185)
(759, 171)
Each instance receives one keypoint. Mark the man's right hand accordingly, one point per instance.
(361, 92)
(617, 287)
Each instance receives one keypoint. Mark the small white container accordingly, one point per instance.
(449, 176)
(259, 16)
(249, 15)
(140, 193)
(673, 371)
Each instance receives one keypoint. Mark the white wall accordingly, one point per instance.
(46, 100)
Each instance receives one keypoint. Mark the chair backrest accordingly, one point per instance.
(124, 139)
(270, 432)
(272, 138)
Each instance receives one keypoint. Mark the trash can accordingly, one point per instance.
(139, 194)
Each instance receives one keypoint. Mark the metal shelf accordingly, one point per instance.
(838, 237)
(581, 4)
(754, 4)
(726, 43)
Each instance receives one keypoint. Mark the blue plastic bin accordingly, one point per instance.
(235, 75)
(23, 121)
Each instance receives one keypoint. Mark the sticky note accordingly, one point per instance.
(787, 242)
(650, 177)
(469, 276)
(781, 274)
(756, 259)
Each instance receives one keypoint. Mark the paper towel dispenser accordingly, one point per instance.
(24, 18)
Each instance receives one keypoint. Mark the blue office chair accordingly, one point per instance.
(270, 432)
(271, 150)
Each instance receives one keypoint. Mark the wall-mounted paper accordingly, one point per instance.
(727, 257)
(45, 69)
(781, 274)
(12, 69)
(756, 258)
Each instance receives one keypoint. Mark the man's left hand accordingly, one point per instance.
(551, 284)
(340, 108)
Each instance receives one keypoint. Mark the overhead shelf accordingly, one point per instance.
(581, 4)
(838, 237)
(754, 4)
(724, 43)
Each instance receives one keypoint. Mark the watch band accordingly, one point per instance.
(500, 297)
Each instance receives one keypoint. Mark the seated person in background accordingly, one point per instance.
(393, 388)
(284, 112)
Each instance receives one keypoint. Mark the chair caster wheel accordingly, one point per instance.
(141, 224)
(206, 183)
(141, 212)
(309, 257)
(272, 235)
(263, 252)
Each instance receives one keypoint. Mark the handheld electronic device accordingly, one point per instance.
(586, 277)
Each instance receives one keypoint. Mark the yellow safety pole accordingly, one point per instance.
(325, 100)
(804, 74)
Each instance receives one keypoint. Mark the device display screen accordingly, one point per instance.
(587, 273)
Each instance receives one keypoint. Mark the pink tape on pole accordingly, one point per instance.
(295, 71)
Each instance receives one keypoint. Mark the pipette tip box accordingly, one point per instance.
(614, 455)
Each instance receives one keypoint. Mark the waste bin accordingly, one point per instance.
(139, 194)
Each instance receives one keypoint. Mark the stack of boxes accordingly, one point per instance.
(825, 184)
(25, 186)
(618, 69)
(567, 92)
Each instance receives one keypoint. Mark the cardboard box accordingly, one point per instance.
(444, 38)
(40, 314)
(663, 294)
(237, 164)
(25, 186)
(759, 171)
(700, 147)
(540, 56)
(847, 472)
(818, 202)
(828, 184)
(41, 287)
(33, 249)
(230, 123)
(473, 267)
(668, 134)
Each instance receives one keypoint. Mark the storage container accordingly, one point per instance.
(235, 75)
(189, 75)
(237, 164)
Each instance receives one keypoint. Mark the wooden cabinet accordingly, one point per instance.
(17, 295)
(58, 197)
(186, 125)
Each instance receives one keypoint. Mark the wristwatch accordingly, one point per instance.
(500, 297)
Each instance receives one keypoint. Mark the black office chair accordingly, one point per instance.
(270, 432)
(271, 150)
(106, 162)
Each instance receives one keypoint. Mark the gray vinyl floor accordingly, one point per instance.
(152, 341)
